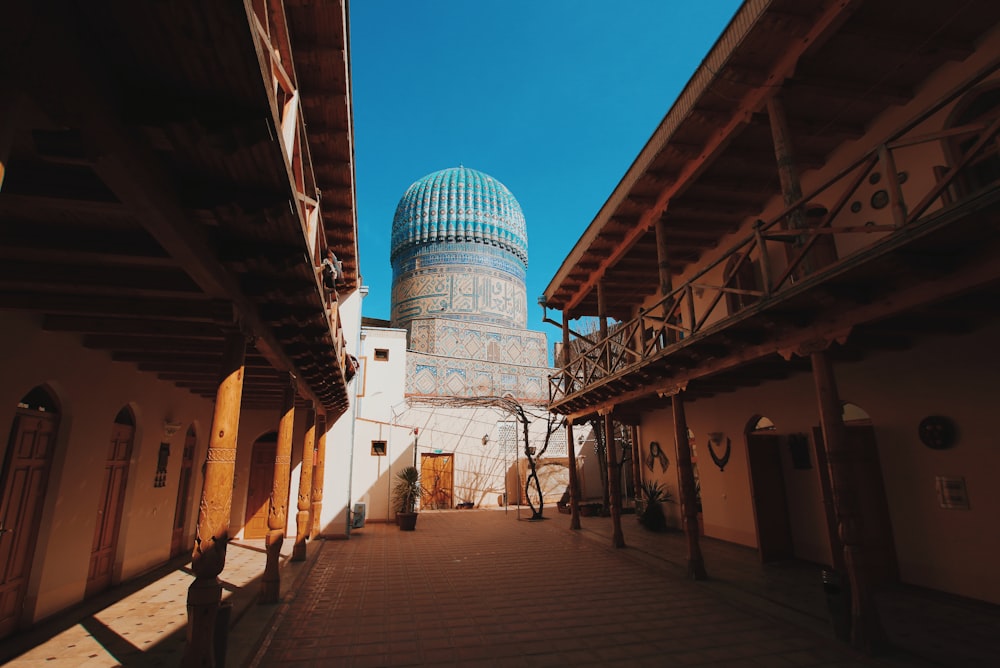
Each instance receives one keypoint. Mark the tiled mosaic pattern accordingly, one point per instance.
(462, 291)
(459, 204)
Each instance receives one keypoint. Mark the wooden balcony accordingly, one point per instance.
(931, 267)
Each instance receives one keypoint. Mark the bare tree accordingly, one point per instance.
(524, 416)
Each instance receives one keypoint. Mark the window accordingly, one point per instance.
(381, 354)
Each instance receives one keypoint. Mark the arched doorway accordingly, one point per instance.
(260, 485)
(112, 500)
(767, 489)
(177, 542)
(24, 480)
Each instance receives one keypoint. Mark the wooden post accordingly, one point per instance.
(823, 251)
(212, 534)
(574, 483)
(866, 629)
(689, 506)
(663, 269)
(614, 482)
(636, 465)
(305, 487)
(319, 470)
(602, 310)
(9, 121)
(277, 514)
(603, 325)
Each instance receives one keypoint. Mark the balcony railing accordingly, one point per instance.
(270, 26)
(694, 306)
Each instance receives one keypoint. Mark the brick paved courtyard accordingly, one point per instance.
(483, 588)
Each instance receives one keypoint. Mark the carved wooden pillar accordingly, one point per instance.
(318, 472)
(663, 268)
(9, 120)
(614, 483)
(574, 482)
(689, 504)
(823, 251)
(277, 514)
(302, 523)
(602, 308)
(866, 629)
(636, 463)
(212, 535)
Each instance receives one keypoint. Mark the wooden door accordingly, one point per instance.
(25, 475)
(866, 470)
(177, 545)
(109, 511)
(259, 489)
(436, 477)
(770, 502)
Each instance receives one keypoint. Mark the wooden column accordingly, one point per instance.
(574, 482)
(663, 258)
(614, 483)
(302, 523)
(663, 268)
(689, 505)
(866, 629)
(212, 534)
(277, 514)
(602, 308)
(823, 251)
(636, 464)
(8, 124)
(319, 470)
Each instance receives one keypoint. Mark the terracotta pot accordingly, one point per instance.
(406, 521)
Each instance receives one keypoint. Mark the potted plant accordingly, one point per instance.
(654, 495)
(405, 493)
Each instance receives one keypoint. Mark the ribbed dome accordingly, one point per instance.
(459, 205)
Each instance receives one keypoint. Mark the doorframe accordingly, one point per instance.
(29, 588)
(117, 542)
(748, 435)
(424, 456)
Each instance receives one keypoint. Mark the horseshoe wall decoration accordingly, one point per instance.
(714, 441)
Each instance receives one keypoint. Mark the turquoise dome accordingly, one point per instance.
(459, 205)
(459, 251)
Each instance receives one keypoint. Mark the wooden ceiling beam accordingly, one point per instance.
(132, 326)
(821, 88)
(63, 69)
(195, 310)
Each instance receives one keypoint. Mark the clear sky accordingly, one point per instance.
(554, 98)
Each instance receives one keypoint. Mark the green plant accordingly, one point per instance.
(654, 495)
(406, 490)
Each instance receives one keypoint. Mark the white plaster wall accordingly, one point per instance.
(340, 435)
(383, 393)
(91, 389)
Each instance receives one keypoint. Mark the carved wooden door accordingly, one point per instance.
(25, 476)
(436, 473)
(109, 511)
(259, 491)
(177, 544)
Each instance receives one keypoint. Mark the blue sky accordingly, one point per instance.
(554, 98)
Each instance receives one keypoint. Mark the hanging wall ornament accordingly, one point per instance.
(715, 441)
(656, 453)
